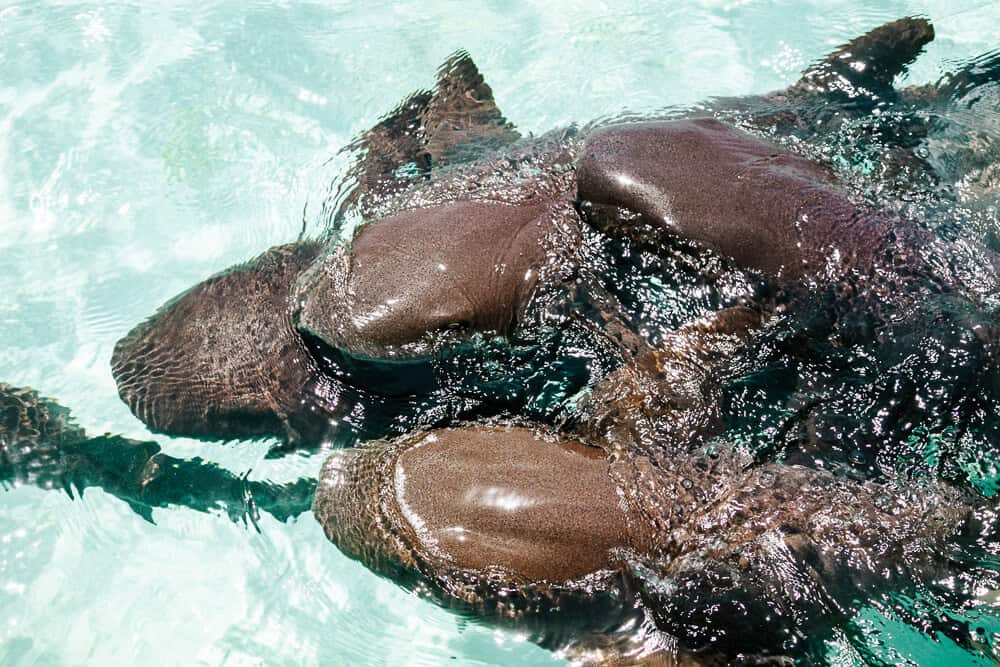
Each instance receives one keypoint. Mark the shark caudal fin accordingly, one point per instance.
(41, 445)
(455, 122)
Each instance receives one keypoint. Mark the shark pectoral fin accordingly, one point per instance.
(456, 121)
(865, 67)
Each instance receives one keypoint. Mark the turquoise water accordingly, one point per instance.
(144, 148)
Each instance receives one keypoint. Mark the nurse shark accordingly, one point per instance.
(628, 529)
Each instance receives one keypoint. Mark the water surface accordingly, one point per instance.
(144, 148)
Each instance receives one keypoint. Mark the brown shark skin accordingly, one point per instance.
(385, 296)
(705, 181)
(468, 266)
(486, 497)
(498, 504)
(358, 504)
(752, 526)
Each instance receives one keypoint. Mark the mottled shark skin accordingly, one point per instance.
(444, 181)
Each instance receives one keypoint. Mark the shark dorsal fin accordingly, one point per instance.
(462, 112)
(455, 122)
(865, 67)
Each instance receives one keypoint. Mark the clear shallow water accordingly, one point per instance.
(143, 149)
